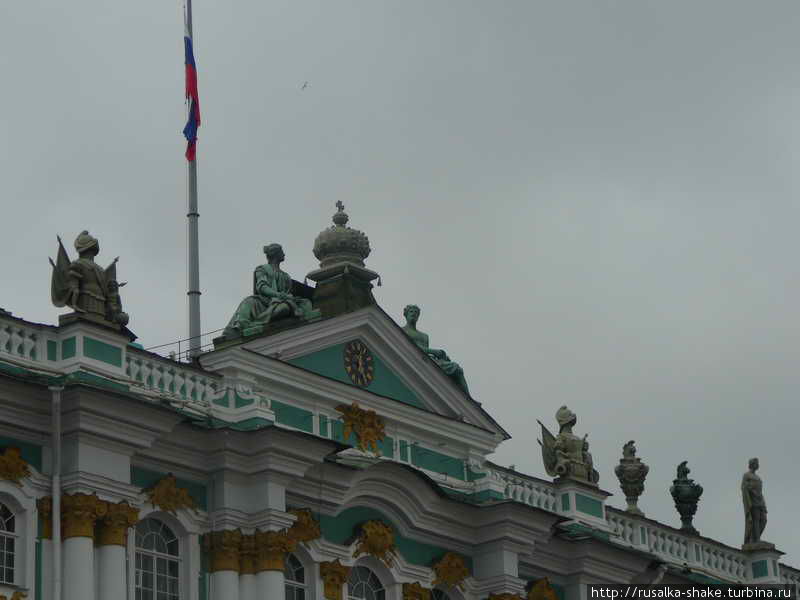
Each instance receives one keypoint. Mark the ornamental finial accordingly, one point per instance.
(340, 218)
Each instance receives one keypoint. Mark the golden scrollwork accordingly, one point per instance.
(113, 527)
(451, 571)
(12, 466)
(367, 426)
(79, 513)
(272, 548)
(45, 508)
(415, 591)
(166, 495)
(377, 539)
(248, 555)
(223, 549)
(18, 595)
(542, 590)
(333, 574)
(305, 528)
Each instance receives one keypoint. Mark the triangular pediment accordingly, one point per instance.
(399, 370)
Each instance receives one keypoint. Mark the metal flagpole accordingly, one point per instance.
(193, 236)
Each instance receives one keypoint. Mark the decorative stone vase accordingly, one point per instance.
(686, 494)
(631, 472)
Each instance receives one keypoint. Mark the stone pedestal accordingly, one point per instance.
(582, 502)
(762, 562)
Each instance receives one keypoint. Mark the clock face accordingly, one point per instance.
(358, 363)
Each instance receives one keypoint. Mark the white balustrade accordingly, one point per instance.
(170, 379)
(20, 340)
(528, 490)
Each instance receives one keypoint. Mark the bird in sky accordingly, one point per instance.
(304, 86)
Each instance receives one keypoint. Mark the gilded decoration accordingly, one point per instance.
(247, 555)
(415, 591)
(113, 527)
(13, 467)
(272, 548)
(167, 496)
(451, 571)
(333, 574)
(367, 426)
(45, 508)
(505, 597)
(305, 528)
(223, 549)
(542, 590)
(79, 513)
(377, 539)
(18, 595)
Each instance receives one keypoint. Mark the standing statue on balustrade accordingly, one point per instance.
(84, 286)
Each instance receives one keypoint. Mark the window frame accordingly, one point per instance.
(304, 585)
(156, 554)
(21, 501)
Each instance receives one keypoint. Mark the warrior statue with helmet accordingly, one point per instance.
(84, 286)
(567, 455)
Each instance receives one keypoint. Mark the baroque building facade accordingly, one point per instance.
(318, 451)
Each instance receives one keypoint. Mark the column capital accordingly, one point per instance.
(223, 548)
(45, 507)
(248, 555)
(114, 525)
(272, 548)
(333, 574)
(79, 512)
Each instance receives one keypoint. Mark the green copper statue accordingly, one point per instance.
(86, 287)
(272, 298)
(411, 313)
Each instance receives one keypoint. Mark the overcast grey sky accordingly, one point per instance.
(594, 203)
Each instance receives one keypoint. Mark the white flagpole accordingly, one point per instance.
(192, 217)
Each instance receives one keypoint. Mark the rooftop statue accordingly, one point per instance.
(452, 369)
(271, 300)
(567, 455)
(755, 509)
(86, 287)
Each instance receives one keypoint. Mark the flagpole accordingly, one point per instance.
(192, 217)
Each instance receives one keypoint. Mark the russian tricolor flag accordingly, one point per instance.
(193, 121)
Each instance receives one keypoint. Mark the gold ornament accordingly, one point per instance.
(377, 539)
(247, 555)
(333, 574)
(113, 527)
(542, 590)
(366, 424)
(79, 512)
(18, 595)
(305, 528)
(415, 591)
(223, 548)
(45, 507)
(167, 496)
(451, 571)
(272, 548)
(505, 597)
(12, 466)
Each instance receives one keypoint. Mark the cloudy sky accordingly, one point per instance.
(594, 203)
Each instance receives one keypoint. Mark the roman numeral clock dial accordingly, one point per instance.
(358, 363)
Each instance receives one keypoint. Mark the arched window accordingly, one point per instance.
(294, 575)
(363, 584)
(157, 562)
(8, 545)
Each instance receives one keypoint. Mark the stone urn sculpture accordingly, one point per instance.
(631, 472)
(686, 494)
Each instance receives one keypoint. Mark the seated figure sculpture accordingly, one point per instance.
(450, 368)
(271, 300)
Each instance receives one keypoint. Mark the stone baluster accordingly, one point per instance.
(247, 569)
(224, 555)
(111, 541)
(79, 513)
(272, 548)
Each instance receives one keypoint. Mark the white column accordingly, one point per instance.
(270, 585)
(225, 585)
(47, 568)
(78, 561)
(111, 571)
(247, 587)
